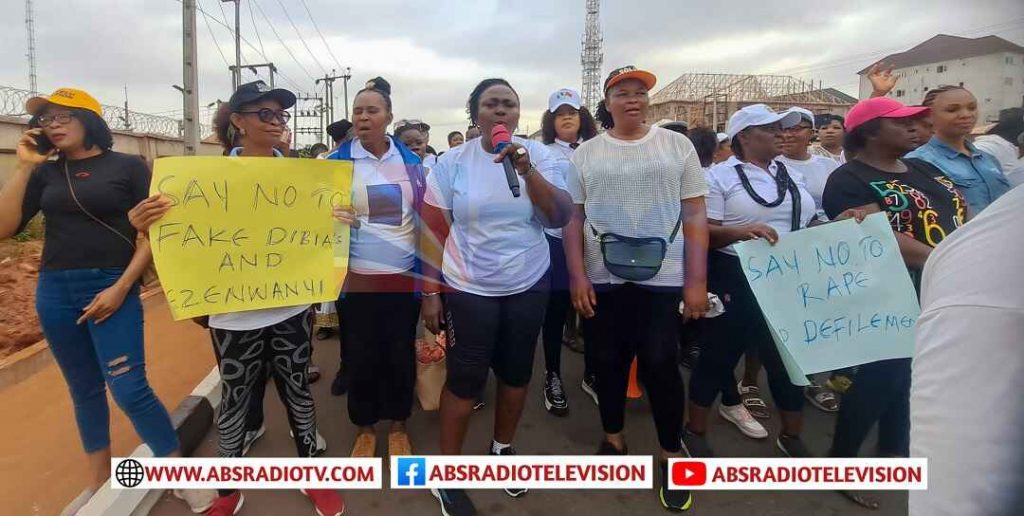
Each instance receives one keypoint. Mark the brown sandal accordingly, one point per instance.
(365, 445)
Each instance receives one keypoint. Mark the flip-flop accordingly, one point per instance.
(862, 499)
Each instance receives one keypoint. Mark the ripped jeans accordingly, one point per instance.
(92, 356)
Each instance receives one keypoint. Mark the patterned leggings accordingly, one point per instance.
(285, 349)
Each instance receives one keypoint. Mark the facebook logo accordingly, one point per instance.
(412, 471)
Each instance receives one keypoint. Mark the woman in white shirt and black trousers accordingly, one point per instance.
(379, 302)
(495, 266)
(752, 195)
(636, 187)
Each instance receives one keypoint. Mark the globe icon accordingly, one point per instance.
(129, 473)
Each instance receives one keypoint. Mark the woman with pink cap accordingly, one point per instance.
(923, 207)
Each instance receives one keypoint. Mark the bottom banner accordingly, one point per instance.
(798, 474)
(240, 473)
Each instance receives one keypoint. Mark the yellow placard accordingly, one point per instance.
(249, 233)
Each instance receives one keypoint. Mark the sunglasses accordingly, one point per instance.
(61, 118)
(268, 116)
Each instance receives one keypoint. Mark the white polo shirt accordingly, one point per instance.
(965, 415)
(815, 170)
(729, 202)
(565, 150)
(496, 246)
(385, 242)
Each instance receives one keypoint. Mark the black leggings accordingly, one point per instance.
(559, 307)
(634, 321)
(727, 336)
(380, 337)
(880, 392)
(244, 357)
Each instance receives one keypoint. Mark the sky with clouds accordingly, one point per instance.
(433, 53)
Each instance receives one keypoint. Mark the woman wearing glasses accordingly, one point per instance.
(88, 291)
(274, 338)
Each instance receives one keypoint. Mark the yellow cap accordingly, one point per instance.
(67, 97)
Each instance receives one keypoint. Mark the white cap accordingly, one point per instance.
(564, 96)
(722, 137)
(804, 114)
(759, 114)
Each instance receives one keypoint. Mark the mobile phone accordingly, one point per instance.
(43, 144)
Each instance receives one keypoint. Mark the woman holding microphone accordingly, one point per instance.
(495, 268)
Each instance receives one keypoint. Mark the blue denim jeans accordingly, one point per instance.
(92, 356)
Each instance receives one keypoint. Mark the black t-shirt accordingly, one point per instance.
(107, 186)
(921, 203)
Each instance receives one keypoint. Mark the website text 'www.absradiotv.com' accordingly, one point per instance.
(523, 471)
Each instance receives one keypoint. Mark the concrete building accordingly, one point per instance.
(991, 67)
(708, 99)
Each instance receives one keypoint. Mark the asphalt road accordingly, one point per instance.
(539, 433)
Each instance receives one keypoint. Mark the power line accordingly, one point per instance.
(255, 29)
(281, 40)
(322, 38)
(301, 39)
(206, 21)
(295, 86)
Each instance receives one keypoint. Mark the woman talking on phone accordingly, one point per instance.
(88, 291)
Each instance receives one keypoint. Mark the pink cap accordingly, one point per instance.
(880, 107)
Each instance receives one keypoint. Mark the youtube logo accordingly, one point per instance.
(689, 473)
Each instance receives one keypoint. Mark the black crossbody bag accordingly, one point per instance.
(634, 259)
(783, 183)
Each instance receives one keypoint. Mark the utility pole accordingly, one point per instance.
(328, 81)
(30, 25)
(190, 78)
(254, 69)
(236, 71)
(126, 119)
(318, 112)
(592, 56)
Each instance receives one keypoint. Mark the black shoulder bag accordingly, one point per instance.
(634, 259)
(783, 183)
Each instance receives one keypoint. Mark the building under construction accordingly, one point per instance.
(707, 99)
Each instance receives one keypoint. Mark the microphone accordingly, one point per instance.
(500, 139)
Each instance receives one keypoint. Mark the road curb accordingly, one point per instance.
(192, 419)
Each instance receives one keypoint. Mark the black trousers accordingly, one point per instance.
(243, 358)
(558, 309)
(380, 318)
(633, 321)
(727, 336)
(880, 393)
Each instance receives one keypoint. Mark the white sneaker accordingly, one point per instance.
(78, 503)
(199, 500)
(739, 416)
(250, 437)
(321, 443)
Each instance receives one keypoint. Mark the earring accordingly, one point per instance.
(242, 130)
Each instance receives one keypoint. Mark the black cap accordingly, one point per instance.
(338, 130)
(256, 91)
(379, 83)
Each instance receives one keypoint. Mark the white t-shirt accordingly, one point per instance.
(818, 150)
(730, 203)
(965, 414)
(429, 161)
(385, 242)
(255, 319)
(815, 171)
(1003, 151)
(566, 151)
(634, 188)
(496, 246)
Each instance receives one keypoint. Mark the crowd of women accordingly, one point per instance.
(632, 228)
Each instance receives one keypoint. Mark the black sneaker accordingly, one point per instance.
(454, 502)
(607, 448)
(340, 384)
(589, 386)
(678, 500)
(793, 446)
(696, 445)
(514, 492)
(554, 397)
